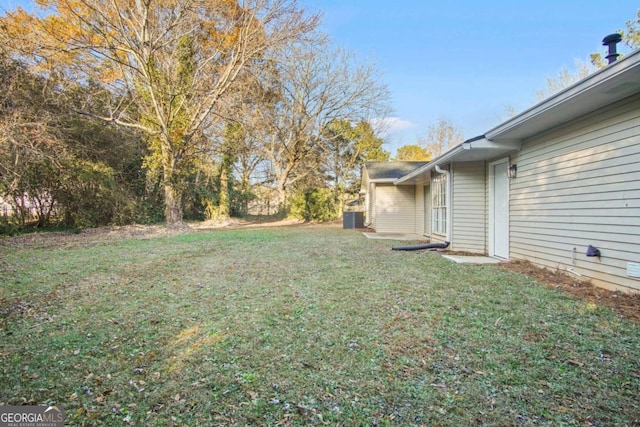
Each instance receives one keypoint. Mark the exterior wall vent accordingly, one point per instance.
(633, 269)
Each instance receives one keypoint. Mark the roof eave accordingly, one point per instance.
(383, 180)
(474, 149)
(617, 81)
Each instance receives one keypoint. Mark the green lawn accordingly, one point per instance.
(308, 325)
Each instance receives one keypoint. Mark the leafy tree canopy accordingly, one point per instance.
(412, 153)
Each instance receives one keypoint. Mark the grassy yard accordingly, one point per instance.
(308, 325)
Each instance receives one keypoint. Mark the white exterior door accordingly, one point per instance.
(499, 209)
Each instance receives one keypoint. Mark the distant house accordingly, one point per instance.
(27, 207)
(388, 207)
(543, 186)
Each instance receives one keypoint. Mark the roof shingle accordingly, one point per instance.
(391, 170)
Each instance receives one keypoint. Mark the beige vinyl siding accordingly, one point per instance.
(577, 186)
(395, 209)
(371, 205)
(419, 189)
(469, 214)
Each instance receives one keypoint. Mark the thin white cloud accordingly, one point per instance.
(390, 125)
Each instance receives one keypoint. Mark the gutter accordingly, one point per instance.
(472, 144)
(442, 159)
(447, 241)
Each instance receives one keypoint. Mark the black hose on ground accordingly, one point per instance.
(421, 247)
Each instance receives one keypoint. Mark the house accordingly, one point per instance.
(550, 185)
(388, 207)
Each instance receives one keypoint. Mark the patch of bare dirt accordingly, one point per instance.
(93, 235)
(627, 304)
(136, 231)
(252, 222)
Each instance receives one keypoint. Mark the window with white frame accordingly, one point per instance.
(439, 204)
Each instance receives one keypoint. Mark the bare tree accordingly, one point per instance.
(312, 86)
(565, 78)
(167, 64)
(441, 136)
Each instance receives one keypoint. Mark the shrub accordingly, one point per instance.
(315, 204)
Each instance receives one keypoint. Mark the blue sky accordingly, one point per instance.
(464, 60)
(467, 60)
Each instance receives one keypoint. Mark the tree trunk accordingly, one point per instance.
(282, 179)
(223, 198)
(281, 195)
(173, 214)
(172, 204)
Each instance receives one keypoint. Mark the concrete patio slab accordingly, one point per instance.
(395, 236)
(472, 259)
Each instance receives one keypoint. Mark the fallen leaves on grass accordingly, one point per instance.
(628, 305)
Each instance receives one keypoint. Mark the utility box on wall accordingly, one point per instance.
(352, 220)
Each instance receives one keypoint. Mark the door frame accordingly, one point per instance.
(492, 214)
(426, 206)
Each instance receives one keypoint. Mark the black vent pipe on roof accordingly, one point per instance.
(611, 41)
